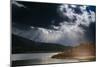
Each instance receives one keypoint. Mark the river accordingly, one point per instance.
(37, 58)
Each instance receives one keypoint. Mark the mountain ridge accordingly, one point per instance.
(22, 45)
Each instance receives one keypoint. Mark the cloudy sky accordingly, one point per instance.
(64, 24)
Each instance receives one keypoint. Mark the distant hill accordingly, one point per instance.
(22, 45)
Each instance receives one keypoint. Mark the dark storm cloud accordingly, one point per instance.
(54, 23)
(36, 14)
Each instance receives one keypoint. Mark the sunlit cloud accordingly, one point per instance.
(68, 32)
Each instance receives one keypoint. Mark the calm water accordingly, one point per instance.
(38, 58)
